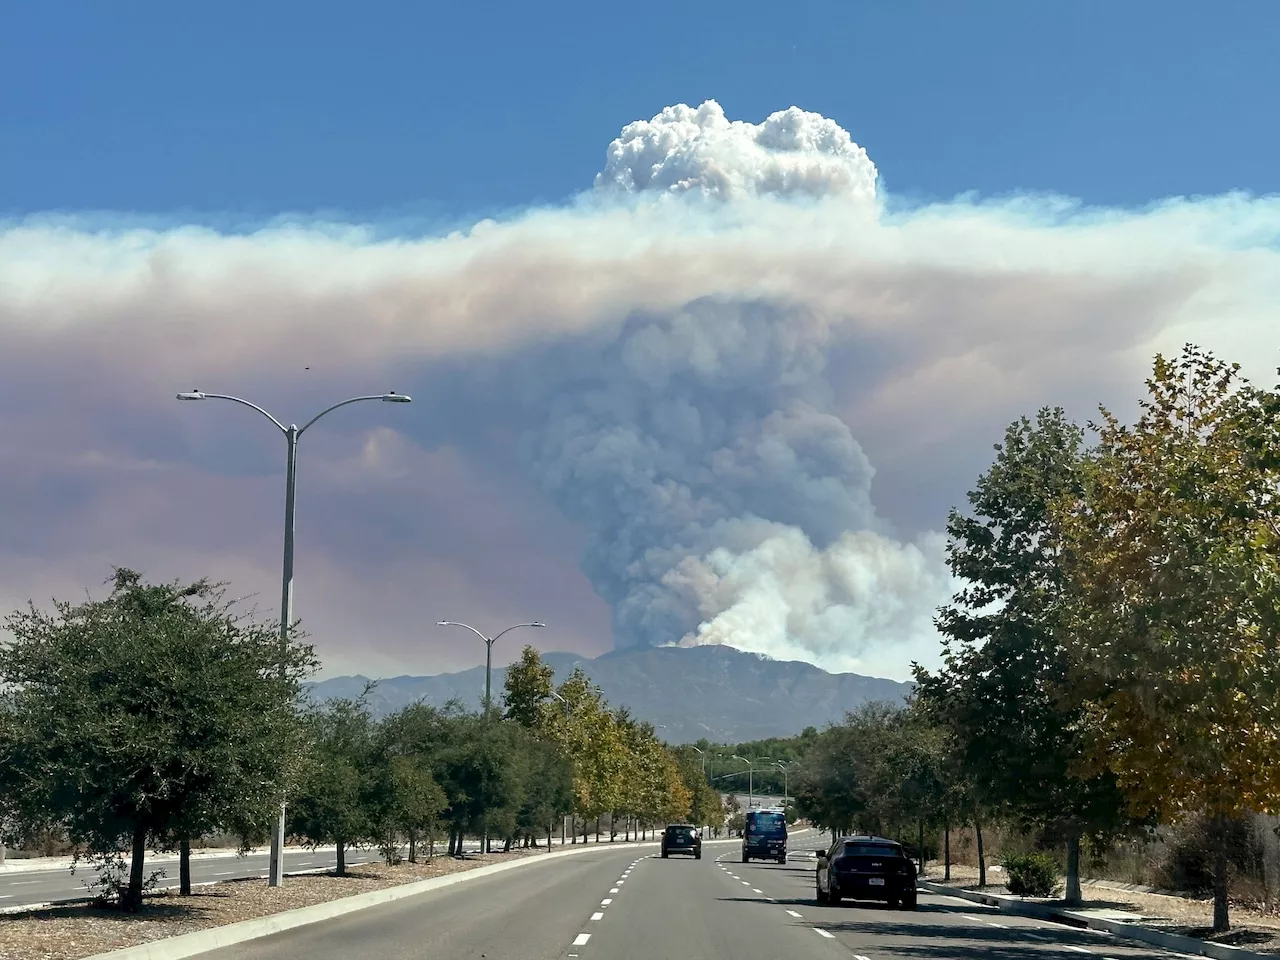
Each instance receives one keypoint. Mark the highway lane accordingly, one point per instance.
(942, 928)
(546, 911)
(18, 887)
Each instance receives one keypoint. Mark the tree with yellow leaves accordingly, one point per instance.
(1174, 553)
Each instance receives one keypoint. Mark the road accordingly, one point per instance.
(18, 887)
(627, 904)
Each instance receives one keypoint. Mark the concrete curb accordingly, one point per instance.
(1119, 928)
(202, 941)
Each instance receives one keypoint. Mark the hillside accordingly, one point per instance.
(715, 692)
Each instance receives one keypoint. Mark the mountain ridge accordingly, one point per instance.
(712, 691)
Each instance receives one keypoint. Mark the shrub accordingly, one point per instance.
(1033, 875)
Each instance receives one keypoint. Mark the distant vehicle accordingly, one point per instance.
(682, 838)
(866, 868)
(764, 836)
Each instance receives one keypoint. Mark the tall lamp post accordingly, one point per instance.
(488, 650)
(275, 876)
(751, 778)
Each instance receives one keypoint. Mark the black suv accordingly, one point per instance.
(682, 838)
(866, 868)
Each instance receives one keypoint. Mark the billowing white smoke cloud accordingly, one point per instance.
(697, 150)
(725, 500)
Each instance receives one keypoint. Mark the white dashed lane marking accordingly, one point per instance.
(823, 933)
(754, 890)
(581, 939)
(606, 901)
(1072, 946)
(597, 916)
(794, 914)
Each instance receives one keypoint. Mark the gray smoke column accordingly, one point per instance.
(724, 499)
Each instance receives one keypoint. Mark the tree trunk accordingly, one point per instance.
(598, 829)
(1074, 895)
(1221, 913)
(342, 858)
(132, 899)
(413, 846)
(586, 827)
(922, 857)
(431, 845)
(1, 854)
(184, 868)
(982, 857)
(506, 847)
(946, 852)
(549, 829)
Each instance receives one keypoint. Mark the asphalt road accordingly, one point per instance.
(18, 887)
(626, 904)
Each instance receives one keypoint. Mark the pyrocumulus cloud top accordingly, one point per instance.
(684, 149)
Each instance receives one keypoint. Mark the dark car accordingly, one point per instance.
(866, 868)
(682, 838)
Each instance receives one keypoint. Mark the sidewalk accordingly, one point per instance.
(33, 864)
(1177, 923)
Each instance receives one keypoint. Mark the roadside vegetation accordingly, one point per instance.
(1110, 687)
(162, 715)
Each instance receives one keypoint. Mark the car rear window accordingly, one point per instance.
(871, 850)
(679, 831)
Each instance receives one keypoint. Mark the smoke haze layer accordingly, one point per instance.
(729, 382)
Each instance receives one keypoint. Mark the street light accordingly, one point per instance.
(784, 765)
(275, 875)
(488, 650)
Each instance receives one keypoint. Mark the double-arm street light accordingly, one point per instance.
(784, 766)
(751, 778)
(291, 434)
(488, 650)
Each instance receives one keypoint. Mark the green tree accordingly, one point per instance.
(336, 797)
(527, 688)
(1005, 659)
(1174, 550)
(154, 715)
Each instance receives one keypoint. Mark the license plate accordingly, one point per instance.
(876, 881)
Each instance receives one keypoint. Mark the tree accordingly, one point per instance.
(335, 798)
(148, 717)
(406, 801)
(528, 685)
(1001, 689)
(1173, 549)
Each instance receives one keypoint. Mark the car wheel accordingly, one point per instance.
(909, 903)
(833, 897)
(819, 895)
(664, 854)
(893, 903)
(745, 858)
(697, 854)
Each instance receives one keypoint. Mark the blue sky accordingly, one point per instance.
(448, 109)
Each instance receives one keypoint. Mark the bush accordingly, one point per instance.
(1033, 875)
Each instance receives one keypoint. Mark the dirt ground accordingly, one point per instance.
(75, 931)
